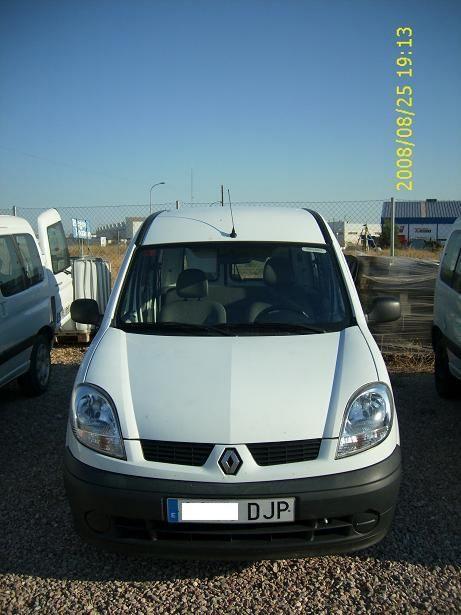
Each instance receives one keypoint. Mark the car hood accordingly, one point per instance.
(231, 390)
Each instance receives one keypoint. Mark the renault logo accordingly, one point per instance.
(230, 461)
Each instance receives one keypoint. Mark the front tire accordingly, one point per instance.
(446, 385)
(35, 381)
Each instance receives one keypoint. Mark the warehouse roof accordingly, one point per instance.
(430, 208)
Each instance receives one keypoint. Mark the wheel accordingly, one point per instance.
(446, 385)
(35, 381)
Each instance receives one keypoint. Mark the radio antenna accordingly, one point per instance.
(233, 233)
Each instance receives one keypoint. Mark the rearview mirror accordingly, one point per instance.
(383, 309)
(86, 312)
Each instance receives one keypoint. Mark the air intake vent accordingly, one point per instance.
(182, 453)
(276, 453)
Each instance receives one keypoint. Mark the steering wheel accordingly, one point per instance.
(280, 308)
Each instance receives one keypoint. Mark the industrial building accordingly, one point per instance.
(430, 219)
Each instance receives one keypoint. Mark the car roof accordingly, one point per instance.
(14, 224)
(214, 223)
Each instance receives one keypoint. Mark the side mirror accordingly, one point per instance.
(383, 309)
(85, 311)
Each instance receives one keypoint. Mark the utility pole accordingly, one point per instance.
(222, 195)
(177, 204)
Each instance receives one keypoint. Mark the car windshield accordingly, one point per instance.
(233, 289)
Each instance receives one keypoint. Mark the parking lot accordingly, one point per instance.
(44, 566)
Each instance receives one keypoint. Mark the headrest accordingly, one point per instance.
(192, 284)
(278, 272)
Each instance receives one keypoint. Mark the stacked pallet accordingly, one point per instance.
(412, 282)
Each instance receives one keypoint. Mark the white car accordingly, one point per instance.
(446, 330)
(29, 301)
(233, 403)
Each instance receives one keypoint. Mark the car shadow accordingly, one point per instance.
(37, 536)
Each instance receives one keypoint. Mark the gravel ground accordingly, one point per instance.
(45, 568)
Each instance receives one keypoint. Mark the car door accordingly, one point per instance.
(24, 302)
(54, 246)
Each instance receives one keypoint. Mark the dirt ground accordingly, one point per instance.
(44, 567)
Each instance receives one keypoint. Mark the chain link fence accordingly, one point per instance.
(112, 226)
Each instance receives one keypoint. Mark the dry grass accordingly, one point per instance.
(422, 255)
(409, 362)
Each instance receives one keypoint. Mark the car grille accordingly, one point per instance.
(264, 453)
(182, 453)
(275, 453)
(316, 530)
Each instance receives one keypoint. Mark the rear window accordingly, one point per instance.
(205, 260)
(59, 251)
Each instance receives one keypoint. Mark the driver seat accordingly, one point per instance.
(278, 276)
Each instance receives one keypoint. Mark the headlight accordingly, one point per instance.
(367, 420)
(95, 422)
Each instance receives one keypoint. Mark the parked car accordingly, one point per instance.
(446, 330)
(233, 403)
(28, 308)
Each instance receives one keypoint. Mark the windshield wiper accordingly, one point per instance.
(185, 327)
(285, 327)
(230, 329)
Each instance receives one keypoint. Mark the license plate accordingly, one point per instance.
(278, 510)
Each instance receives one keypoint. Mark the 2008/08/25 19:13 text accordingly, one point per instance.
(404, 110)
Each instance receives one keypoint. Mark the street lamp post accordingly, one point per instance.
(150, 194)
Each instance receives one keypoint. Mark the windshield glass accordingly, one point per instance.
(239, 288)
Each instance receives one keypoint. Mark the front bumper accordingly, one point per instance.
(334, 514)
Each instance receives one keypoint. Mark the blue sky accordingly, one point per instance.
(281, 101)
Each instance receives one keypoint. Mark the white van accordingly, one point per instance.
(53, 244)
(28, 308)
(446, 330)
(233, 403)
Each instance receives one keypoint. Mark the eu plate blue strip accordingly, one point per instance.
(172, 510)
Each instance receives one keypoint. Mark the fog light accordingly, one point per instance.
(365, 522)
(98, 522)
